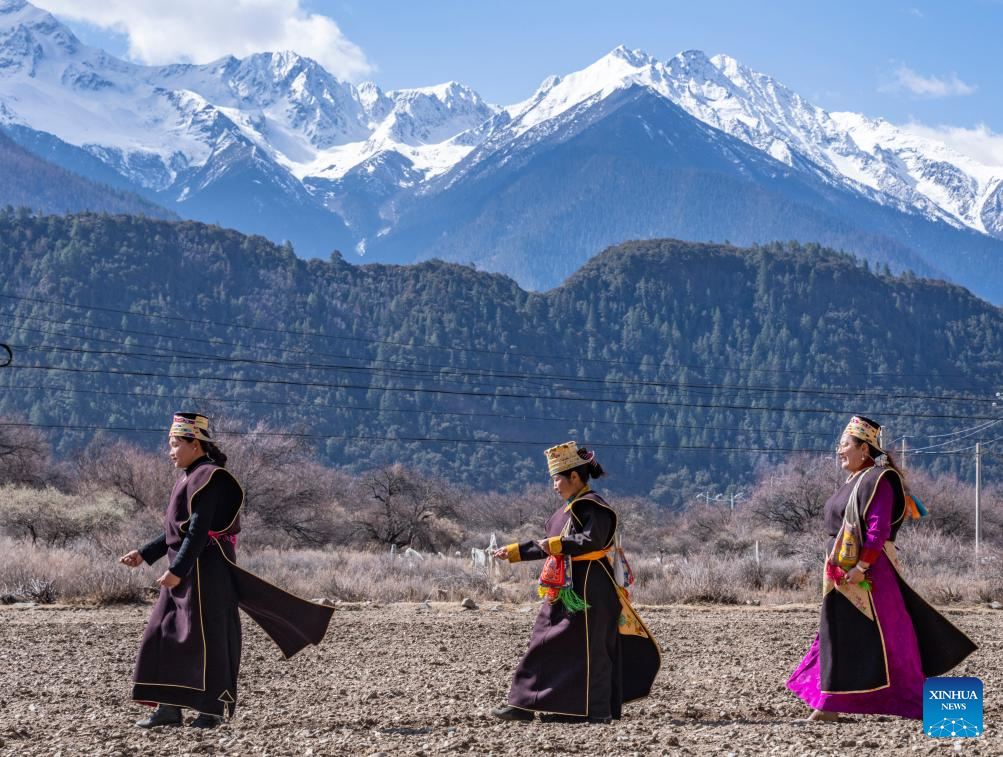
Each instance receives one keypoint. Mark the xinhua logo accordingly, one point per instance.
(952, 706)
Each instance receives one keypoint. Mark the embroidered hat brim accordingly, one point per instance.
(563, 457)
(864, 431)
(190, 426)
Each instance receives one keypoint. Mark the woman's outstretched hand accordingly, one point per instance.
(133, 559)
(500, 554)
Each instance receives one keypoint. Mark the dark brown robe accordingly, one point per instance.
(190, 652)
(592, 661)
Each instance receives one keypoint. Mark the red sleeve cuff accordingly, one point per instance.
(869, 555)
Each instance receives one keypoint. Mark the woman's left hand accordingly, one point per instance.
(168, 580)
(855, 576)
(545, 546)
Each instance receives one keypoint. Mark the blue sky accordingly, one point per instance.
(931, 62)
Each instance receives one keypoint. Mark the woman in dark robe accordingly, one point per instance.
(589, 651)
(190, 653)
(878, 640)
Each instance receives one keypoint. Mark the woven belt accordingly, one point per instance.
(597, 555)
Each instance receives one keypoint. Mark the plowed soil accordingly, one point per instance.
(407, 679)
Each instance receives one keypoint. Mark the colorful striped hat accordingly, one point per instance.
(865, 430)
(191, 426)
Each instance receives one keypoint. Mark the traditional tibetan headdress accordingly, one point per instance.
(191, 426)
(566, 456)
(865, 431)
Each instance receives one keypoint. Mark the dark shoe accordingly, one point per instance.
(206, 721)
(553, 717)
(603, 721)
(512, 713)
(165, 714)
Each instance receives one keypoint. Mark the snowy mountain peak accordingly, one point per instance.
(728, 66)
(869, 156)
(635, 58)
(19, 12)
(158, 124)
(30, 34)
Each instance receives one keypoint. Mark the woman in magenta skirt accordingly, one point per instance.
(878, 640)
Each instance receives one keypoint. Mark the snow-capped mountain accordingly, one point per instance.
(274, 144)
(872, 156)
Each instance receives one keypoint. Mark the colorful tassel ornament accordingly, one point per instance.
(555, 584)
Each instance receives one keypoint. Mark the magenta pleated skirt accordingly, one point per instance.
(904, 694)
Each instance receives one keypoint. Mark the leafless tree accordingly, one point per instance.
(401, 507)
(792, 495)
(143, 477)
(285, 488)
(25, 457)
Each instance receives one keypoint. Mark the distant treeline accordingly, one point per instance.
(684, 364)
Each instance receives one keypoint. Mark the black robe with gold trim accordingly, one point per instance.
(591, 661)
(190, 652)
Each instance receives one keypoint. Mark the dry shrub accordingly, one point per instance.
(52, 517)
(80, 573)
(355, 576)
(712, 578)
(306, 527)
(951, 504)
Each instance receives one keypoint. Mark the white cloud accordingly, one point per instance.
(905, 79)
(171, 31)
(979, 143)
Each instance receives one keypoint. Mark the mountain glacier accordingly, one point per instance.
(273, 143)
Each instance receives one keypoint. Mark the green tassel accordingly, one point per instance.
(571, 601)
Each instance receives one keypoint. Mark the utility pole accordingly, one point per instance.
(978, 502)
(735, 498)
(902, 457)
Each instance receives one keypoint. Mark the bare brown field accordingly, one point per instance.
(409, 679)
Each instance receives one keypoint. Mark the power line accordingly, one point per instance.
(368, 340)
(960, 450)
(682, 386)
(970, 432)
(494, 396)
(348, 437)
(356, 408)
(535, 443)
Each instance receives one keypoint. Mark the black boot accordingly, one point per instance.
(204, 720)
(165, 714)
(512, 713)
(555, 718)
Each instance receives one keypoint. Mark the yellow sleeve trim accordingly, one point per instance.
(513, 553)
(554, 545)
